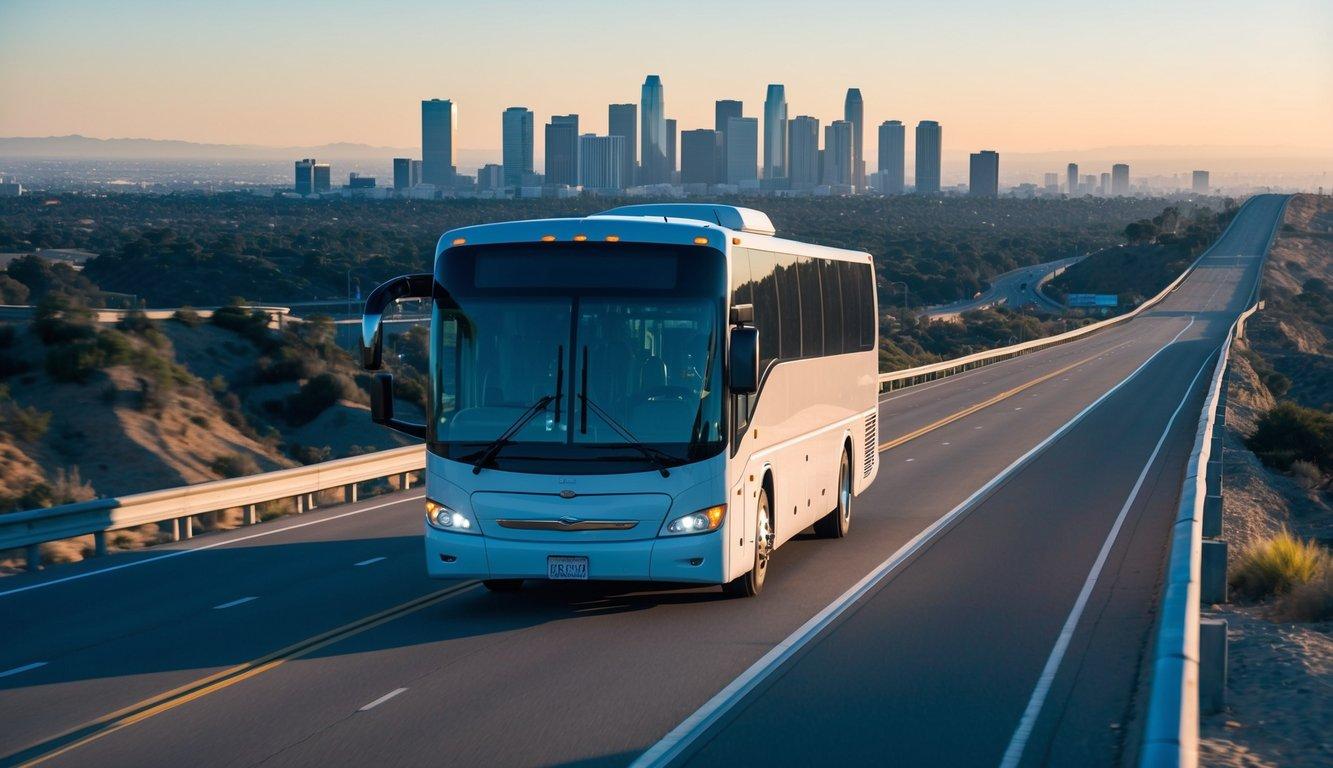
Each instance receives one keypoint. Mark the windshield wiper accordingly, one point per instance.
(659, 458)
(522, 421)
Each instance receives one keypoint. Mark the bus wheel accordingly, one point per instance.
(836, 523)
(752, 583)
(503, 585)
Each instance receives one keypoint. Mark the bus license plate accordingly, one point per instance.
(567, 568)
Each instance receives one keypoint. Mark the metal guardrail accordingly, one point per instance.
(31, 528)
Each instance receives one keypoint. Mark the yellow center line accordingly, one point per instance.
(162, 702)
(971, 409)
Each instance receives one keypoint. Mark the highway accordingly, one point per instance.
(993, 604)
(1015, 288)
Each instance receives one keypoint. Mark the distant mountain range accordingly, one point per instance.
(75, 146)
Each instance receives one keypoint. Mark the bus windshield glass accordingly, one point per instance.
(624, 339)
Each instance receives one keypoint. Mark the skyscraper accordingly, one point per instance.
(839, 143)
(1104, 185)
(1071, 179)
(1052, 183)
(490, 177)
(775, 132)
(803, 141)
(742, 141)
(600, 161)
(700, 157)
(723, 111)
(653, 130)
(929, 140)
(853, 111)
(323, 177)
(402, 173)
(1120, 179)
(983, 178)
(623, 120)
(892, 150)
(516, 142)
(439, 126)
(1199, 182)
(671, 150)
(305, 176)
(562, 150)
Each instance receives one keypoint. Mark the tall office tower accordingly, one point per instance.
(1052, 183)
(854, 112)
(490, 177)
(623, 120)
(803, 140)
(929, 140)
(742, 142)
(1089, 184)
(839, 146)
(653, 132)
(402, 173)
(700, 156)
(414, 177)
(1200, 182)
(439, 128)
(983, 177)
(305, 176)
(516, 145)
(562, 150)
(671, 150)
(1071, 179)
(775, 132)
(723, 111)
(600, 161)
(1120, 179)
(323, 177)
(1104, 185)
(892, 149)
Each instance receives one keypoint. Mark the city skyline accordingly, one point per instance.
(1016, 103)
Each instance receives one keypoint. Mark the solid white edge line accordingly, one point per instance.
(670, 746)
(236, 602)
(382, 699)
(1013, 754)
(22, 669)
(371, 561)
(214, 545)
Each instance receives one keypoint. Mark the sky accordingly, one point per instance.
(1017, 76)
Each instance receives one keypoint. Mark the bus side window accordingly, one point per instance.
(828, 279)
(852, 298)
(763, 275)
(867, 308)
(742, 292)
(789, 307)
(812, 311)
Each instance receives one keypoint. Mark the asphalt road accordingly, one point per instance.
(317, 640)
(1014, 289)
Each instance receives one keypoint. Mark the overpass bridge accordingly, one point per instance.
(1000, 601)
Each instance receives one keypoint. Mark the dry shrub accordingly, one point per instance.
(1311, 601)
(1275, 565)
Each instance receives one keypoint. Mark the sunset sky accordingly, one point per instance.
(1018, 76)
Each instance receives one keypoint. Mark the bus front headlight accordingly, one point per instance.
(443, 518)
(698, 522)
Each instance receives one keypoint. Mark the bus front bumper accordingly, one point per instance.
(696, 559)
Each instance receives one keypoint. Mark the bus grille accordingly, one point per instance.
(872, 438)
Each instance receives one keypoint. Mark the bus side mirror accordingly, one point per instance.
(743, 360)
(381, 407)
(372, 319)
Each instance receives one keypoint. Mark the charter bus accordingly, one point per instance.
(662, 393)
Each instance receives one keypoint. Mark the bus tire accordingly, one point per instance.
(752, 582)
(503, 585)
(838, 521)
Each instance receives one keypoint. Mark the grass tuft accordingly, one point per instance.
(1276, 565)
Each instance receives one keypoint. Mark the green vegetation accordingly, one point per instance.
(1274, 566)
(1289, 433)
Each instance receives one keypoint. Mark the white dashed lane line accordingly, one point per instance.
(236, 602)
(383, 699)
(371, 561)
(22, 669)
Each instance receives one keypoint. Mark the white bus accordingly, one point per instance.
(659, 392)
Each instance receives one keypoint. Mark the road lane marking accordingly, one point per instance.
(22, 669)
(214, 545)
(675, 742)
(971, 409)
(155, 705)
(236, 602)
(1014, 753)
(382, 699)
(371, 561)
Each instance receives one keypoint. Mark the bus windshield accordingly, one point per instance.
(634, 329)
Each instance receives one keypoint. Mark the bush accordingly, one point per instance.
(187, 317)
(59, 319)
(27, 424)
(68, 487)
(317, 394)
(1311, 601)
(1289, 433)
(1275, 565)
(135, 321)
(234, 465)
(73, 361)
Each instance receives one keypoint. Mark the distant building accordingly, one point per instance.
(357, 181)
(601, 159)
(839, 143)
(10, 187)
(305, 176)
(853, 111)
(701, 157)
(742, 149)
(983, 178)
(671, 133)
(439, 128)
(1071, 178)
(929, 141)
(775, 132)
(723, 111)
(623, 120)
(1052, 183)
(1200, 183)
(562, 150)
(490, 177)
(803, 140)
(892, 150)
(516, 145)
(1104, 185)
(653, 132)
(402, 173)
(1120, 179)
(1089, 184)
(323, 177)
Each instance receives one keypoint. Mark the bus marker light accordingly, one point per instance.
(613, 238)
(701, 240)
(460, 240)
(580, 238)
(548, 238)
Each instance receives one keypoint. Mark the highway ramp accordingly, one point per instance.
(317, 640)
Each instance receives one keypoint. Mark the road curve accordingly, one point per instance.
(1015, 288)
(317, 640)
